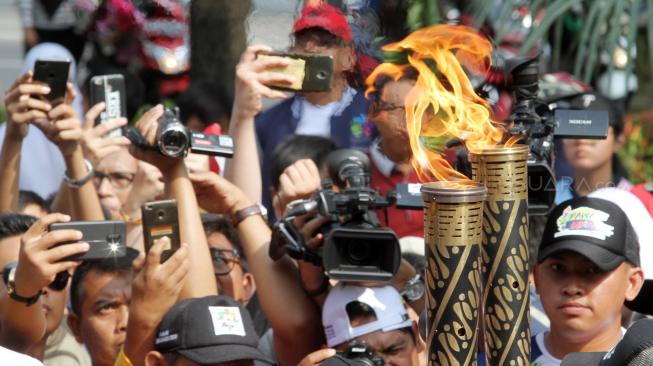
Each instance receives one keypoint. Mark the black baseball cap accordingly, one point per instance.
(209, 330)
(595, 228)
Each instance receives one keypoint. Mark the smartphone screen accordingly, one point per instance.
(160, 219)
(109, 89)
(55, 75)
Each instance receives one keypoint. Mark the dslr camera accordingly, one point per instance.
(357, 354)
(356, 248)
(175, 140)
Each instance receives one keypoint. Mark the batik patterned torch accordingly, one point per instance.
(452, 232)
(505, 253)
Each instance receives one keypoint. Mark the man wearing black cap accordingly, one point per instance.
(213, 330)
(588, 266)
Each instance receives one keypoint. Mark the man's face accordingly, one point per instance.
(590, 155)
(396, 347)
(580, 300)
(236, 284)
(114, 190)
(102, 324)
(389, 116)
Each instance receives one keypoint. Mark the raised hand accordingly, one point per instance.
(298, 181)
(23, 105)
(41, 258)
(95, 145)
(216, 194)
(252, 75)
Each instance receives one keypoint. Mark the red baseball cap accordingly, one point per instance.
(326, 17)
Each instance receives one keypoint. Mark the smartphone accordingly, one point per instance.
(159, 220)
(105, 238)
(55, 75)
(109, 89)
(312, 72)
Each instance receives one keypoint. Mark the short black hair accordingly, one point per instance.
(408, 73)
(319, 36)
(297, 147)
(31, 198)
(102, 266)
(222, 224)
(12, 224)
(205, 100)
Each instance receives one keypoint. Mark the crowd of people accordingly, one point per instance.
(221, 298)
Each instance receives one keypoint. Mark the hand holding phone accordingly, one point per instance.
(106, 239)
(55, 75)
(312, 72)
(109, 89)
(160, 220)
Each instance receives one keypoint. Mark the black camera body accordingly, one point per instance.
(538, 124)
(356, 248)
(176, 140)
(357, 354)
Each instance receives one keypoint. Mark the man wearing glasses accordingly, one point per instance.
(231, 269)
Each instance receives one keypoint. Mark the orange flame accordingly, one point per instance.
(443, 102)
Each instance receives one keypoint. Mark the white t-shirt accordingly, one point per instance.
(316, 119)
(9, 357)
(540, 355)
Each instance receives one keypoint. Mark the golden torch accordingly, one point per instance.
(441, 105)
(452, 232)
(505, 253)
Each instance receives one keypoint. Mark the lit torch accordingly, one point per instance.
(443, 104)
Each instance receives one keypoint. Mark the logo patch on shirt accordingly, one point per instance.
(584, 221)
(227, 320)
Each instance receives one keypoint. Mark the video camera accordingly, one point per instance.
(356, 248)
(538, 124)
(357, 354)
(176, 140)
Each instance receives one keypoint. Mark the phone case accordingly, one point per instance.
(109, 89)
(55, 75)
(105, 238)
(317, 74)
(159, 220)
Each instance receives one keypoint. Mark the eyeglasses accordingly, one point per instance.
(380, 106)
(414, 289)
(224, 260)
(60, 281)
(118, 180)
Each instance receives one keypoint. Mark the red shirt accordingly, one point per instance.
(403, 222)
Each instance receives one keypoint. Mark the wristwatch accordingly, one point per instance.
(255, 209)
(11, 290)
(77, 183)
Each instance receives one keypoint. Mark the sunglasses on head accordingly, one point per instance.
(60, 281)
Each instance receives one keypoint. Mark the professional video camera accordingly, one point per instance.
(538, 124)
(355, 247)
(357, 354)
(176, 140)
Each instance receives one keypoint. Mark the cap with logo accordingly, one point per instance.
(643, 225)
(209, 330)
(386, 302)
(595, 228)
(326, 17)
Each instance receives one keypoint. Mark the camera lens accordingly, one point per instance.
(358, 252)
(160, 215)
(174, 143)
(321, 75)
